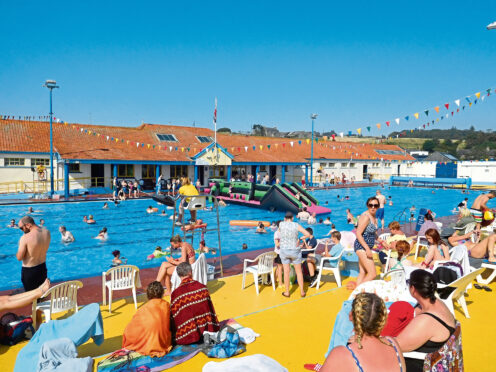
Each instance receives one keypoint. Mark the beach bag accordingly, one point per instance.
(13, 328)
(225, 344)
(445, 275)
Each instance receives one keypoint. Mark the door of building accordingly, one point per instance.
(97, 175)
(272, 174)
(201, 174)
(365, 171)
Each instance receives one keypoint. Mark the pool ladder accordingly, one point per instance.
(402, 215)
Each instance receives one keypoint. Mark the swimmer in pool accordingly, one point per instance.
(67, 236)
(12, 224)
(163, 213)
(42, 222)
(157, 253)
(244, 246)
(102, 235)
(150, 209)
(116, 261)
(90, 220)
(30, 210)
(105, 205)
(261, 229)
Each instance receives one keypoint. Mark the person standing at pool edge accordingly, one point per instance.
(380, 212)
(33, 247)
(365, 239)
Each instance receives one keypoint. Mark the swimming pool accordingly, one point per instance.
(136, 233)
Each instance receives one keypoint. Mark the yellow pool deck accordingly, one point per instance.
(293, 331)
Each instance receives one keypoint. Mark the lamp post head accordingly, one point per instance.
(491, 26)
(50, 84)
(313, 116)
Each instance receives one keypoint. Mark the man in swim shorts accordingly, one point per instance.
(33, 247)
(480, 205)
(380, 212)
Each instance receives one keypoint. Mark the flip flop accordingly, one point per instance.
(285, 295)
(313, 367)
(486, 288)
(478, 286)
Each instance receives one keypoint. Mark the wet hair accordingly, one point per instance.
(158, 248)
(154, 290)
(176, 239)
(261, 225)
(27, 219)
(395, 225)
(369, 315)
(116, 253)
(150, 207)
(434, 235)
(304, 209)
(321, 220)
(333, 226)
(336, 234)
(244, 246)
(424, 283)
(310, 230)
(403, 248)
(184, 269)
(90, 216)
(370, 199)
(63, 228)
(428, 216)
(492, 192)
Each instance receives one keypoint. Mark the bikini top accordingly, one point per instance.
(357, 362)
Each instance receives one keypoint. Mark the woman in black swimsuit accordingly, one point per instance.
(433, 324)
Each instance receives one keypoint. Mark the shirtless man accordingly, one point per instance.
(380, 212)
(67, 236)
(480, 205)
(33, 247)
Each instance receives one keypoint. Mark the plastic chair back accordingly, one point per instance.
(461, 284)
(196, 203)
(265, 262)
(63, 296)
(122, 277)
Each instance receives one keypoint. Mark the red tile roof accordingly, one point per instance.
(78, 141)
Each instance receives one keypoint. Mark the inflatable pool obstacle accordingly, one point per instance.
(283, 197)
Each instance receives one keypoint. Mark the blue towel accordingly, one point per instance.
(343, 327)
(60, 355)
(86, 323)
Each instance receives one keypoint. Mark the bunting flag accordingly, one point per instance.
(436, 108)
(407, 117)
(397, 120)
(426, 112)
(359, 130)
(457, 101)
(447, 106)
(478, 95)
(368, 128)
(416, 115)
(387, 123)
(378, 125)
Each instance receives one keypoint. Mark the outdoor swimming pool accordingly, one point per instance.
(136, 233)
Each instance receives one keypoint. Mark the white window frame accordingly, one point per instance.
(21, 161)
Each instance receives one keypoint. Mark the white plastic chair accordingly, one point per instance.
(196, 203)
(439, 225)
(335, 270)
(458, 294)
(384, 236)
(121, 277)
(421, 242)
(63, 297)
(199, 272)
(264, 266)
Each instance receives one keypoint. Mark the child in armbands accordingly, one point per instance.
(157, 253)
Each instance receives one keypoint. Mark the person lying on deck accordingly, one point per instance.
(192, 311)
(148, 332)
(23, 299)
(367, 350)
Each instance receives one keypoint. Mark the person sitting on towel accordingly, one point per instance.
(148, 332)
(192, 311)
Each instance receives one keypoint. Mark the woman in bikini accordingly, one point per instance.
(367, 350)
(167, 268)
(438, 251)
(366, 234)
(433, 324)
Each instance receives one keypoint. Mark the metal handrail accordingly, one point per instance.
(185, 233)
(401, 214)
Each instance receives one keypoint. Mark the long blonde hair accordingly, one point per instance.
(369, 316)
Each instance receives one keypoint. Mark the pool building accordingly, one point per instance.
(89, 156)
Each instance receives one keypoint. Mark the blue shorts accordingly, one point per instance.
(290, 256)
(380, 214)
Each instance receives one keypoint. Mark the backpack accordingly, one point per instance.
(445, 275)
(13, 328)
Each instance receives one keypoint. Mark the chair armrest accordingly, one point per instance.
(248, 260)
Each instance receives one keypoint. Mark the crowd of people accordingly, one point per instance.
(158, 325)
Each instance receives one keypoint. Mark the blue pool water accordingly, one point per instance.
(136, 233)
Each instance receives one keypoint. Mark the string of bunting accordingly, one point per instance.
(446, 111)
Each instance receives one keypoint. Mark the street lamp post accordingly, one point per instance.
(51, 85)
(313, 117)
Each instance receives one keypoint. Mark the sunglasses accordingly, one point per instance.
(373, 205)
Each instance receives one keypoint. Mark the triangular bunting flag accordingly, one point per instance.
(368, 129)
(387, 123)
(457, 101)
(436, 108)
(359, 130)
(397, 120)
(407, 117)
(477, 94)
(416, 115)
(426, 112)
(378, 125)
(447, 106)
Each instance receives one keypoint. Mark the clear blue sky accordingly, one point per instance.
(270, 62)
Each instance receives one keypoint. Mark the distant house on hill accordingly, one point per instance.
(441, 157)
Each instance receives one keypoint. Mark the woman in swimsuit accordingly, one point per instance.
(438, 251)
(167, 268)
(433, 324)
(366, 233)
(367, 350)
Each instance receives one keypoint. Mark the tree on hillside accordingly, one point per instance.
(430, 145)
(224, 130)
(258, 130)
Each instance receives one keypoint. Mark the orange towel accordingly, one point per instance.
(148, 333)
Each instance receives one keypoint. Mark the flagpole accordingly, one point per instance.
(215, 123)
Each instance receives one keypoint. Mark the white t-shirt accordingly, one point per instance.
(277, 238)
